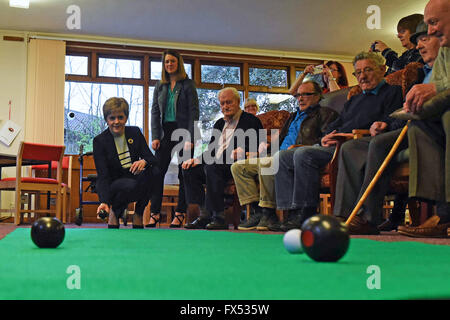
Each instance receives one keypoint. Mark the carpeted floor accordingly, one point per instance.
(198, 264)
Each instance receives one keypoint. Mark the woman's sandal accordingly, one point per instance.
(157, 220)
(180, 218)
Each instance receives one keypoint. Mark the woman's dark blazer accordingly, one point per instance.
(186, 107)
(107, 161)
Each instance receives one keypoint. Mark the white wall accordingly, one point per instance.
(13, 77)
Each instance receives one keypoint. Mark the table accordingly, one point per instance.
(10, 160)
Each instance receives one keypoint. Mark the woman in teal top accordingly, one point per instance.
(175, 106)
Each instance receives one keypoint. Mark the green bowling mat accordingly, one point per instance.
(166, 264)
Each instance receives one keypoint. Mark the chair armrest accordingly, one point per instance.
(359, 133)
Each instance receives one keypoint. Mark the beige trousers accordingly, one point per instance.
(251, 184)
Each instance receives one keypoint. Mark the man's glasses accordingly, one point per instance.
(304, 94)
(358, 73)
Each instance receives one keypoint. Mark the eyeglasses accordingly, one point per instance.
(304, 94)
(358, 73)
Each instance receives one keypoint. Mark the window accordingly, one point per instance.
(96, 72)
(274, 101)
(84, 115)
(77, 65)
(120, 68)
(268, 77)
(220, 74)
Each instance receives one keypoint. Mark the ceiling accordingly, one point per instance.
(323, 27)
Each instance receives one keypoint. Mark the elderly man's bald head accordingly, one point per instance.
(437, 16)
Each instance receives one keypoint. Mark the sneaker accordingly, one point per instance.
(251, 223)
(269, 217)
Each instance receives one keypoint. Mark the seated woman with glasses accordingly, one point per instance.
(333, 77)
(124, 165)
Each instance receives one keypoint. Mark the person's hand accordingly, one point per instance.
(238, 153)
(333, 138)
(309, 69)
(138, 166)
(188, 146)
(190, 163)
(416, 97)
(379, 46)
(328, 140)
(103, 206)
(262, 147)
(326, 74)
(155, 144)
(377, 127)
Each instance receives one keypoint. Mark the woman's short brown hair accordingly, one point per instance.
(115, 104)
(410, 22)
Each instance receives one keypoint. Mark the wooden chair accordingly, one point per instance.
(29, 185)
(41, 171)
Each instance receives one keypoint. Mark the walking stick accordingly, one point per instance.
(379, 172)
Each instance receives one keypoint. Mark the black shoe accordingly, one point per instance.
(199, 223)
(388, 225)
(297, 217)
(251, 223)
(157, 220)
(180, 218)
(276, 226)
(269, 217)
(217, 223)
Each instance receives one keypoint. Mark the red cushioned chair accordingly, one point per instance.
(41, 170)
(29, 185)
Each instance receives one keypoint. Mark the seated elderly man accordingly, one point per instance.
(239, 132)
(429, 138)
(297, 181)
(304, 126)
(360, 159)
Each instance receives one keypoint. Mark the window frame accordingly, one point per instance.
(110, 56)
(196, 58)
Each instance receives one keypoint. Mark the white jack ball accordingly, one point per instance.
(292, 241)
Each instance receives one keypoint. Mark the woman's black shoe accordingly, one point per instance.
(157, 220)
(180, 218)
